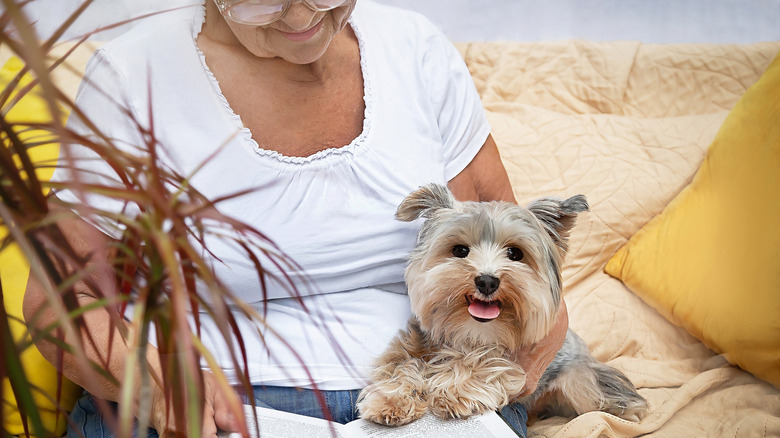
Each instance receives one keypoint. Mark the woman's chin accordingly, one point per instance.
(302, 52)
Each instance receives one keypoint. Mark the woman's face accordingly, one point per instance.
(301, 36)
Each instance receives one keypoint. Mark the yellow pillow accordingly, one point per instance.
(710, 262)
(13, 274)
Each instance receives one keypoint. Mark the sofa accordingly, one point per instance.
(630, 126)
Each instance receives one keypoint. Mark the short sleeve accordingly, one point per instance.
(106, 124)
(460, 116)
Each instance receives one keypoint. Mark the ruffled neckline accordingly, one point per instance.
(321, 156)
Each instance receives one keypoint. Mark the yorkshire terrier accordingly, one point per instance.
(485, 280)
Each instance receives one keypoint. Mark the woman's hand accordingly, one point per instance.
(217, 414)
(536, 358)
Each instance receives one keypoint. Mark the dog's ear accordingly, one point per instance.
(424, 201)
(558, 216)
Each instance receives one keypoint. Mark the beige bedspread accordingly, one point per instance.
(626, 124)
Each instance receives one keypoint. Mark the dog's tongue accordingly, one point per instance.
(484, 310)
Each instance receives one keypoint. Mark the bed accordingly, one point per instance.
(628, 125)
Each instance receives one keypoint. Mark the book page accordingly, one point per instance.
(279, 424)
(487, 425)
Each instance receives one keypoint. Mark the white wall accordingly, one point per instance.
(49, 14)
(662, 21)
(659, 21)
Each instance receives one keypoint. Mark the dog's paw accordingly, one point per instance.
(446, 403)
(631, 409)
(472, 382)
(619, 396)
(391, 403)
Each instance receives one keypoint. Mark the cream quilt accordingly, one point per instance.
(626, 124)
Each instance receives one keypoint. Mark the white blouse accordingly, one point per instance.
(331, 212)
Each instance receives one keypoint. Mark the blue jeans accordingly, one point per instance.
(87, 420)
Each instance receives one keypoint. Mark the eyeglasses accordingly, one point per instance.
(261, 12)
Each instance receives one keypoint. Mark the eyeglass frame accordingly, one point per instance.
(225, 10)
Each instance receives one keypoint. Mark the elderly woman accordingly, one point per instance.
(335, 110)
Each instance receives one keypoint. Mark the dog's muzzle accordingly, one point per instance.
(484, 310)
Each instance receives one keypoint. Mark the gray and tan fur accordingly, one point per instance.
(484, 280)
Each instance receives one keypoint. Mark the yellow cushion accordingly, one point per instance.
(13, 274)
(710, 262)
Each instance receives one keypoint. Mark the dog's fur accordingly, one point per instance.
(484, 280)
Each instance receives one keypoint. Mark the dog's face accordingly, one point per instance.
(487, 272)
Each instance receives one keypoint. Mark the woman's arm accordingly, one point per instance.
(100, 334)
(485, 179)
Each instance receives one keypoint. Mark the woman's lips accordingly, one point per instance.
(305, 35)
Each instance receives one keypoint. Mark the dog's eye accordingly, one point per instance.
(460, 251)
(514, 254)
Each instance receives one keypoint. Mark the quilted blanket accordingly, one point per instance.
(627, 124)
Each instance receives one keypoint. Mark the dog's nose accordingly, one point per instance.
(487, 284)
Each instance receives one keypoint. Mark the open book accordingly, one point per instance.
(278, 424)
